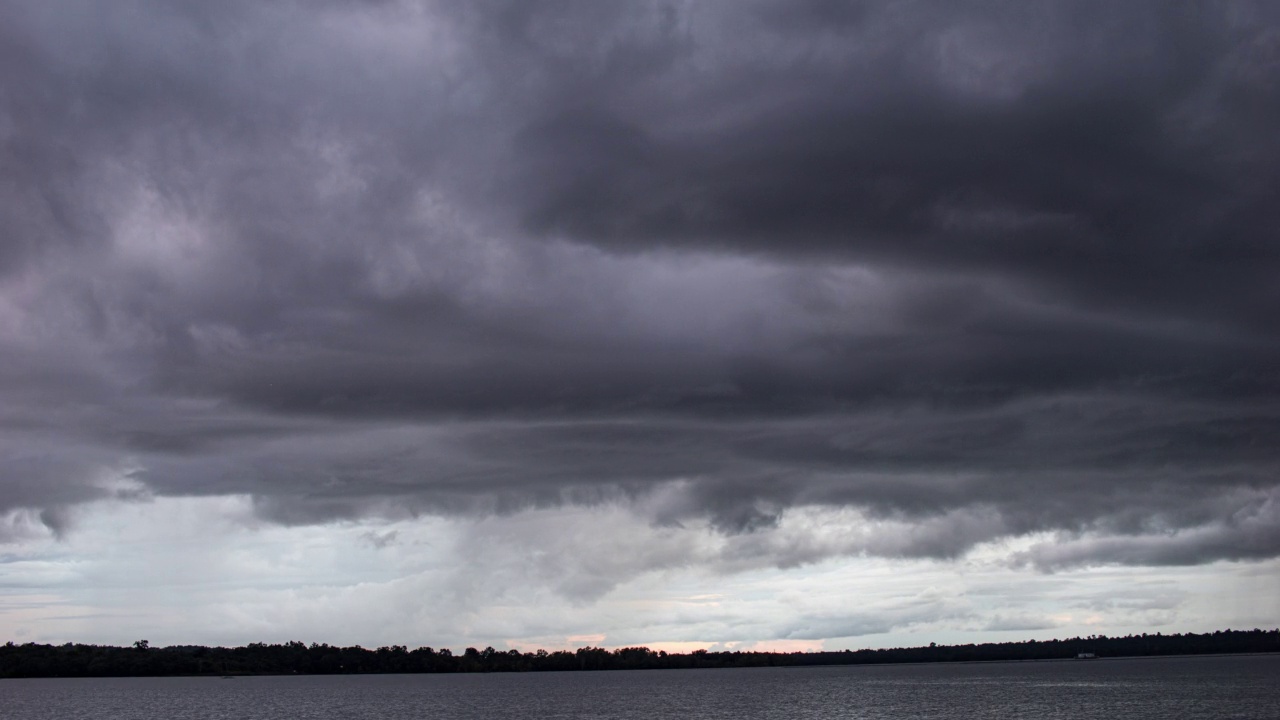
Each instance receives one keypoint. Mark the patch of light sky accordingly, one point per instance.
(209, 565)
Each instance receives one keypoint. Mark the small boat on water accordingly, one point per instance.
(1086, 656)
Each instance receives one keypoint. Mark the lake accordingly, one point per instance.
(1235, 687)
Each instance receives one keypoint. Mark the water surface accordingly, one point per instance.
(1236, 687)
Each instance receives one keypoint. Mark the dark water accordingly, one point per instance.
(1205, 687)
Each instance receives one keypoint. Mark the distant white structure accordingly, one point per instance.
(1086, 656)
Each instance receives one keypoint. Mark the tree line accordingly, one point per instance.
(77, 660)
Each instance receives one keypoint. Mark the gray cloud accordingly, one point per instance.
(982, 272)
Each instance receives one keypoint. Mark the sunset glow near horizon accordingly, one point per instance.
(768, 325)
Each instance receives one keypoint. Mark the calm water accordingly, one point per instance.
(1208, 687)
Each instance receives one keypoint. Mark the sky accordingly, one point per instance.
(735, 325)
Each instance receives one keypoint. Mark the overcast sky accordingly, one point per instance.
(791, 324)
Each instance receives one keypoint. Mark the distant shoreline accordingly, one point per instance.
(1263, 653)
(296, 658)
(233, 676)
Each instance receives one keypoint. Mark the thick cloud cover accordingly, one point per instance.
(970, 272)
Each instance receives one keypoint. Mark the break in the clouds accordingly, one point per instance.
(734, 288)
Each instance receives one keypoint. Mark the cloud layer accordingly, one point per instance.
(955, 276)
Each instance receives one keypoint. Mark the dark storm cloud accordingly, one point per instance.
(1119, 155)
(982, 270)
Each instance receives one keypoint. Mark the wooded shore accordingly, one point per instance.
(78, 660)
